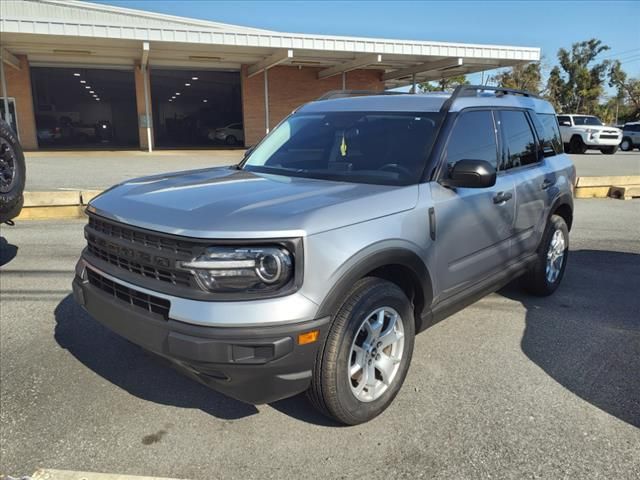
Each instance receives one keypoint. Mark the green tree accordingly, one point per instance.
(577, 84)
(444, 84)
(520, 77)
(628, 91)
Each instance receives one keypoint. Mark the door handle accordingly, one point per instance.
(502, 197)
(547, 183)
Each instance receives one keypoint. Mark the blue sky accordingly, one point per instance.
(545, 24)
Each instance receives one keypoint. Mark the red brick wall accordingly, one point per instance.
(290, 87)
(19, 87)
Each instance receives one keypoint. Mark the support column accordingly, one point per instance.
(147, 112)
(17, 85)
(5, 94)
(344, 80)
(266, 100)
(144, 108)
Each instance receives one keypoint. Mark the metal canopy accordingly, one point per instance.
(81, 33)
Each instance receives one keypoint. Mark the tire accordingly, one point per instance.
(609, 150)
(231, 140)
(576, 145)
(538, 280)
(12, 174)
(333, 389)
(626, 145)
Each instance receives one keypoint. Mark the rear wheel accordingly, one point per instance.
(367, 353)
(577, 145)
(609, 150)
(12, 174)
(231, 140)
(546, 274)
(626, 145)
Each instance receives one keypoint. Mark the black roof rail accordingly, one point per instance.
(355, 93)
(469, 90)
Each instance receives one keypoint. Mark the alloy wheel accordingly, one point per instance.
(8, 175)
(555, 256)
(376, 354)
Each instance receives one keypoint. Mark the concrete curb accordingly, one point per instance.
(603, 187)
(56, 205)
(71, 204)
(43, 474)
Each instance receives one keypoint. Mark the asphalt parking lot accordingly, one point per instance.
(511, 387)
(98, 170)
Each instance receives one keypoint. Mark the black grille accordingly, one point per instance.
(176, 278)
(141, 253)
(137, 237)
(609, 137)
(133, 297)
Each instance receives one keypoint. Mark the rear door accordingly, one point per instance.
(474, 225)
(635, 133)
(523, 162)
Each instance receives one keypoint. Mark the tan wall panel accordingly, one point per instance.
(19, 87)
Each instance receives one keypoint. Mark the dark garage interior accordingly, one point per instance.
(85, 108)
(196, 108)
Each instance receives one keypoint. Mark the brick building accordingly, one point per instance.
(83, 75)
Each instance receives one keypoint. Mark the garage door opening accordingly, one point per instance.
(85, 108)
(196, 108)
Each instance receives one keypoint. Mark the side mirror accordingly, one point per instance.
(471, 174)
(565, 124)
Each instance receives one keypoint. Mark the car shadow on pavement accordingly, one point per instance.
(8, 251)
(132, 369)
(150, 377)
(587, 335)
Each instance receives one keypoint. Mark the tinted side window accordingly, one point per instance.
(564, 118)
(549, 134)
(473, 138)
(519, 143)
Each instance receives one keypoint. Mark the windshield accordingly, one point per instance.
(586, 121)
(386, 148)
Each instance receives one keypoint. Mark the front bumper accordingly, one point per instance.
(258, 364)
(603, 140)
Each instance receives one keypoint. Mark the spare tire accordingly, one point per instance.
(12, 174)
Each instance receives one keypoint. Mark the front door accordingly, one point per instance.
(474, 225)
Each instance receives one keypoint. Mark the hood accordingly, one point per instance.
(228, 203)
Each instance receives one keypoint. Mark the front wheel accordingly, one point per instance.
(546, 274)
(367, 353)
(576, 145)
(609, 150)
(626, 145)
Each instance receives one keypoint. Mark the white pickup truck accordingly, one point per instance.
(586, 132)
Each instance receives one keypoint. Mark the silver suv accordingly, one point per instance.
(630, 136)
(358, 222)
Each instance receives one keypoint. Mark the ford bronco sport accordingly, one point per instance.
(356, 223)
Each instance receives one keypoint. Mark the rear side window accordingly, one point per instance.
(473, 138)
(564, 120)
(549, 134)
(519, 143)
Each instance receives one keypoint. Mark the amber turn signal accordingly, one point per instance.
(308, 337)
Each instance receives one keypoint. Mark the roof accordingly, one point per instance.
(424, 102)
(112, 36)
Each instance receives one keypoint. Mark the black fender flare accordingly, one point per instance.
(386, 257)
(563, 199)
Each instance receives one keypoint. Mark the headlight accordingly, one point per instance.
(245, 269)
